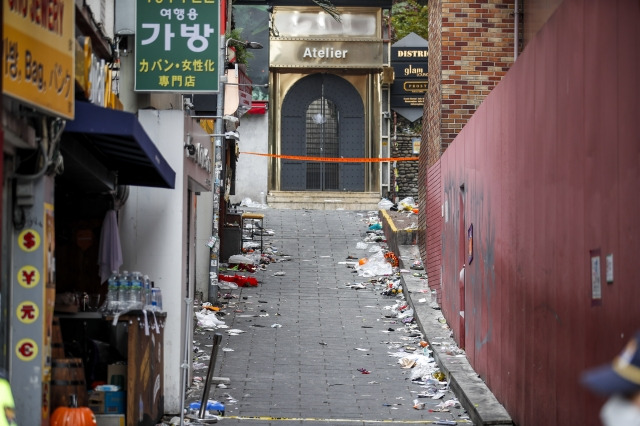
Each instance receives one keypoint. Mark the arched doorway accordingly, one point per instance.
(322, 116)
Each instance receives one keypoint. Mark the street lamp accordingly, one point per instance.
(245, 44)
(214, 261)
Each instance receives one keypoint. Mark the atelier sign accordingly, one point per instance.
(333, 53)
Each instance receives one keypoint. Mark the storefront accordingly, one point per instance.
(80, 175)
(327, 97)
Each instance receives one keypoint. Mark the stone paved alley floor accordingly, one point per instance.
(316, 343)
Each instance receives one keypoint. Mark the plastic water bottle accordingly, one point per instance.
(135, 295)
(111, 304)
(146, 292)
(156, 299)
(124, 289)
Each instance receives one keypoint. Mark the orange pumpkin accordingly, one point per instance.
(70, 416)
(73, 416)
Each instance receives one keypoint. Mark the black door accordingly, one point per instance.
(322, 117)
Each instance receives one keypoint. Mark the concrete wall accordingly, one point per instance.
(252, 170)
(204, 214)
(545, 171)
(153, 235)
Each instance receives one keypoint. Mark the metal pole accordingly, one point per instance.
(207, 383)
(214, 261)
(187, 348)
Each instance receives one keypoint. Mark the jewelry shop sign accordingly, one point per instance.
(177, 46)
(38, 55)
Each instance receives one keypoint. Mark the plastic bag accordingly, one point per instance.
(375, 265)
(207, 319)
(242, 259)
(407, 204)
(385, 204)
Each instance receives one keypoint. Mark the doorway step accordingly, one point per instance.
(312, 200)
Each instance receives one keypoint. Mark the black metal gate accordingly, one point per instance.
(322, 116)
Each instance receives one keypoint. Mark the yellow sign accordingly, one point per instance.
(38, 57)
(28, 312)
(28, 276)
(26, 349)
(29, 240)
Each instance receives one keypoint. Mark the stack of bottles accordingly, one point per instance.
(131, 291)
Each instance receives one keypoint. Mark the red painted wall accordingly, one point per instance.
(550, 164)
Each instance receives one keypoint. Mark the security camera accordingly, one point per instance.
(191, 149)
(188, 104)
(386, 114)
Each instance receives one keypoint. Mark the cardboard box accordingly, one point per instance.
(119, 371)
(110, 420)
(107, 402)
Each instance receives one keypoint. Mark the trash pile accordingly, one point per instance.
(407, 204)
(414, 354)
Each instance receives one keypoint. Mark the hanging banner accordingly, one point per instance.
(38, 64)
(177, 46)
(237, 92)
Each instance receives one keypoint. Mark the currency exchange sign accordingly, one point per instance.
(177, 46)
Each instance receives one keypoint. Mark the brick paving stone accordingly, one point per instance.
(306, 371)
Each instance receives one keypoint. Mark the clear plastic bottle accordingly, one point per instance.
(124, 288)
(111, 303)
(135, 295)
(156, 299)
(146, 292)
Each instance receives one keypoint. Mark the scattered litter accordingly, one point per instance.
(235, 332)
(357, 286)
(279, 274)
(362, 349)
(417, 265)
(207, 319)
(239, 280)
(375, 265)
(276, 325)
(407, 363)
(419, 405)
(364, 371)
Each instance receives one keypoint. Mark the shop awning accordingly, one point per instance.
(120, 142)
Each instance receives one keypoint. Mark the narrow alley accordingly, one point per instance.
(317, 343)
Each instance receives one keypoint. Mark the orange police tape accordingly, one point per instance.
(331, 159)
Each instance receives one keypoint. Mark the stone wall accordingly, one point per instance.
(406, 178)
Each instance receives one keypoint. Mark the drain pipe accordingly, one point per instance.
(185, 362)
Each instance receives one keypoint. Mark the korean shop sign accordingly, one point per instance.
(38, 54)
(177, 45)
